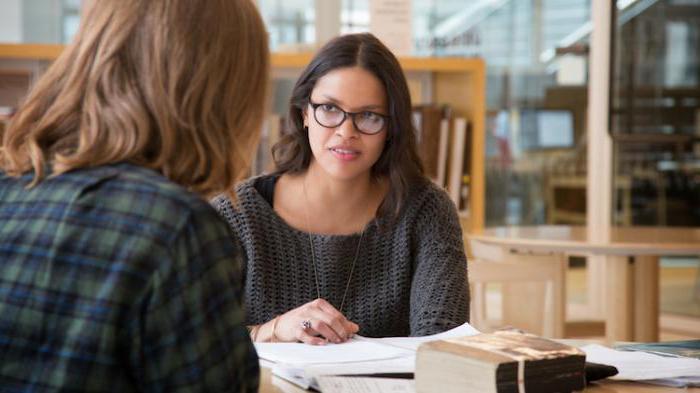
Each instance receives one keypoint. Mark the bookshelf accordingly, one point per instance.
(457, 82)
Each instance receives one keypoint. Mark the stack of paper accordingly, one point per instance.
(647, 367)
(302, 364)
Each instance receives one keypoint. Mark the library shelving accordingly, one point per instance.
(456, 82)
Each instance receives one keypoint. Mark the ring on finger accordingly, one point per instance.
(306, 324)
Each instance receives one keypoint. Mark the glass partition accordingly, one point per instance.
(536, 55)
(39, 21)
(655, 123)
(655, 111)
(290, 23)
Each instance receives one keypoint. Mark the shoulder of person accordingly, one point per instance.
(144, 194)
(426, 194)
(245, 192)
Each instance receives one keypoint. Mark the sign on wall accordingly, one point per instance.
(391, 21)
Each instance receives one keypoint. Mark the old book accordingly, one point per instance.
(428, 122)
(441, 179)
(466, 171)
(457, 157)
(504, 361)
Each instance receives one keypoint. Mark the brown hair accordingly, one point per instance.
(176, 86)
(399, 160)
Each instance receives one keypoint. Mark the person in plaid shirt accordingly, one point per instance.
(115, 272)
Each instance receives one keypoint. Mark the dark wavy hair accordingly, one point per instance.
(399, 160)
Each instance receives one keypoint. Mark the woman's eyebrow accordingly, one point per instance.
(340, 103)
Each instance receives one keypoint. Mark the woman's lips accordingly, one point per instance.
(344, 153)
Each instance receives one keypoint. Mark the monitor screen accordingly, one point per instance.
(546, 129)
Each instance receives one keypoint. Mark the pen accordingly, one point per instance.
(381, 375)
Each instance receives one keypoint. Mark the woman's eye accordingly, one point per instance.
(329, 108)
(371, 116)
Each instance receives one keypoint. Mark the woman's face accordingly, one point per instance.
(343, 152)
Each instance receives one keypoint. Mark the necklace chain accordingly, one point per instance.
(313, 253)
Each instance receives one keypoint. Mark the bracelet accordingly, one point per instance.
(274, 326)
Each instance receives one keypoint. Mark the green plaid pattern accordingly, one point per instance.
(113, 279)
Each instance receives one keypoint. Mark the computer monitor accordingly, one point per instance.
(546, 129)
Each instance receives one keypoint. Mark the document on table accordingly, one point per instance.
(357, 349)
(353, 350)
(412, 343)
(365, 385)
(646, 367)
(302, 364)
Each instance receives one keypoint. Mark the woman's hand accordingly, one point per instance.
(323, 324)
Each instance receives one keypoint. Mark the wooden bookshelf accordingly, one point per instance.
(457, 82)
(30, 51)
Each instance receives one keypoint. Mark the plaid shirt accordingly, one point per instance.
(114, 279)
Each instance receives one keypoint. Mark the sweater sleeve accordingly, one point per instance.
(439, 290)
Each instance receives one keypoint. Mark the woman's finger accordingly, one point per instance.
(328, 308)
(327, 331)
(331, 327)
(348, 327)
(306, 335)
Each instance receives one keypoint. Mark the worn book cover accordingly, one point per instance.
(503, 361)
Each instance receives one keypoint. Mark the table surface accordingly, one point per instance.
(572, 239)
(272, 384)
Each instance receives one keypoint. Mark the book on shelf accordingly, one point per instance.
(393, 357)
(503, 361)
(445, 124)
(458, 183)
(432, 126)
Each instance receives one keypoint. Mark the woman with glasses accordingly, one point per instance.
(347, 235)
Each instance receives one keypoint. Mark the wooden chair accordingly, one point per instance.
(533, 290)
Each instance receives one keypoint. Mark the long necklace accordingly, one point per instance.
(313, 254)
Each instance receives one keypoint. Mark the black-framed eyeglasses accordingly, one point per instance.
(366, 122)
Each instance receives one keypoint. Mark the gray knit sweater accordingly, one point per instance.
(410, 277)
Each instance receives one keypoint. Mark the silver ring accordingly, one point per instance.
(306, 324)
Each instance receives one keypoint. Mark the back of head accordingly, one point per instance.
(174, 85)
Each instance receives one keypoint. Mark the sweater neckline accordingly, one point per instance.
(262, 204)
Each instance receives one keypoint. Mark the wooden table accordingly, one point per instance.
(273, 384)
(631, 254)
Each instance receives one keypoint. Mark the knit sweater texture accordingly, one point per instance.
(410, 276)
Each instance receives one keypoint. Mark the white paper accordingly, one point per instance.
(365, 385)
(639, 366)
(350, 351)
(294, 375)
(302, 364)
(678, 382)
(405, 364)
(357, 349)
(412, 343)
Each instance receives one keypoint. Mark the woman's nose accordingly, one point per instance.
(347, 129)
